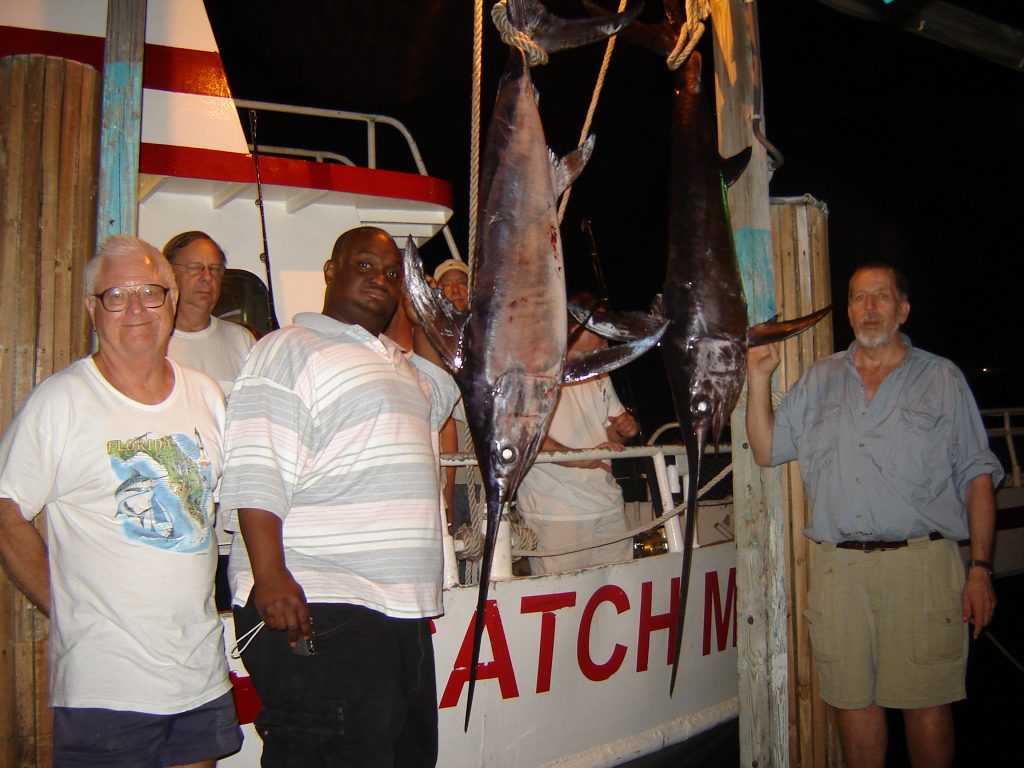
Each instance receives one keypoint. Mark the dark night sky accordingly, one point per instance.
(916, 148)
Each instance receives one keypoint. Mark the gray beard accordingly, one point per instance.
(877, 339)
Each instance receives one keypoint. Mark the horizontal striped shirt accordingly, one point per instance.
(334, 431)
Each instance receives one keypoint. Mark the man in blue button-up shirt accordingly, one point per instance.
(897, 468)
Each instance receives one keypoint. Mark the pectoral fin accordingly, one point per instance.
(608, 359)
(775, 330)
(619, 326)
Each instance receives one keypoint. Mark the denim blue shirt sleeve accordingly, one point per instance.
(895, 468)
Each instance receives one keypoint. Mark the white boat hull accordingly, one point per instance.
(575, 666)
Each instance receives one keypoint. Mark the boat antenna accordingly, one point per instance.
(265, 256)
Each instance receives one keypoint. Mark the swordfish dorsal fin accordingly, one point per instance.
(553, 33)
(440, 320)
(733, 167)
(564, 171)
(776, 330)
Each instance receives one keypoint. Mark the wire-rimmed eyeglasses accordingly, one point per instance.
(116, 298)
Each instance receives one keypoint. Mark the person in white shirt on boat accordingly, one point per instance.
(123, 449)
(200, 339)
(572, 504)
(452, 277)
(898, 471)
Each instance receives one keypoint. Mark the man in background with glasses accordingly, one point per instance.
(200, 339)
(123, 448)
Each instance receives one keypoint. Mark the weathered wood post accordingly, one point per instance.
(122, 118)
(783, 255)
(800, 255)
(760, 549)
(48, 150)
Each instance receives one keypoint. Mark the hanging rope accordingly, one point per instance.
(690, 33)
(472, 538)
(609, 47)
(474, 133)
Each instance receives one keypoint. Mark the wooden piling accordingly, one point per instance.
(801, 266)
(760, 552)
(783, 258)
(49, 140)
(122, 119)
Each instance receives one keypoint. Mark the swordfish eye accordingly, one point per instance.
(701, 407)
(507, 454)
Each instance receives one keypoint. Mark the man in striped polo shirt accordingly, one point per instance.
(332, 476)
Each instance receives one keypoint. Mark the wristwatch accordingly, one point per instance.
(980, 564)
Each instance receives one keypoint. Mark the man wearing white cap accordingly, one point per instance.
(452, 277)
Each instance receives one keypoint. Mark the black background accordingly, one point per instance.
(916, 148)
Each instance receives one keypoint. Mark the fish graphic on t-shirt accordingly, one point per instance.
(164, 498)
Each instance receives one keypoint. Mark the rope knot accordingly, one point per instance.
(690, 33)
(535, 55)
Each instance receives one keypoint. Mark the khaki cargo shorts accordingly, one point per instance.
(886, 626)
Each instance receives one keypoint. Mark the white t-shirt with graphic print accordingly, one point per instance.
(128, 490)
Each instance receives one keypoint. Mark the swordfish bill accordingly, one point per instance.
(705, 347)
(507, 352)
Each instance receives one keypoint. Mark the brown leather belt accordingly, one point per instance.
(881, 546)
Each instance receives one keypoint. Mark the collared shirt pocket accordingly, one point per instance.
(822, 443)
(918, 451)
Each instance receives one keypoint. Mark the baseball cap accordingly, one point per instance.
(448, 265)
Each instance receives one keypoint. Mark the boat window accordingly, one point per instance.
(244, 300)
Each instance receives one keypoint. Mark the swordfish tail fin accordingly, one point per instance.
(778, 330)
(493, 520)
(556, 34)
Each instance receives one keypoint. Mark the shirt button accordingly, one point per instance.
(860, 445)
(858, 479)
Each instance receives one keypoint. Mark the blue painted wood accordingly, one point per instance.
(121, 132)
(754, 253)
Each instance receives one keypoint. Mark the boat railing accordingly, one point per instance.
(1005, 428)
(317, 155)
(668, 463)
(369, 120)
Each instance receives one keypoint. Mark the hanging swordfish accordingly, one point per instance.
(705, 347)
(507, 352)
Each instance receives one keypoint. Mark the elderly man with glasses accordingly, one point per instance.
(123, 448)
(201, 339)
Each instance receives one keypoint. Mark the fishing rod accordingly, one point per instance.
(624, 380)
(595, 261)
(602, 288)
(265, 256)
